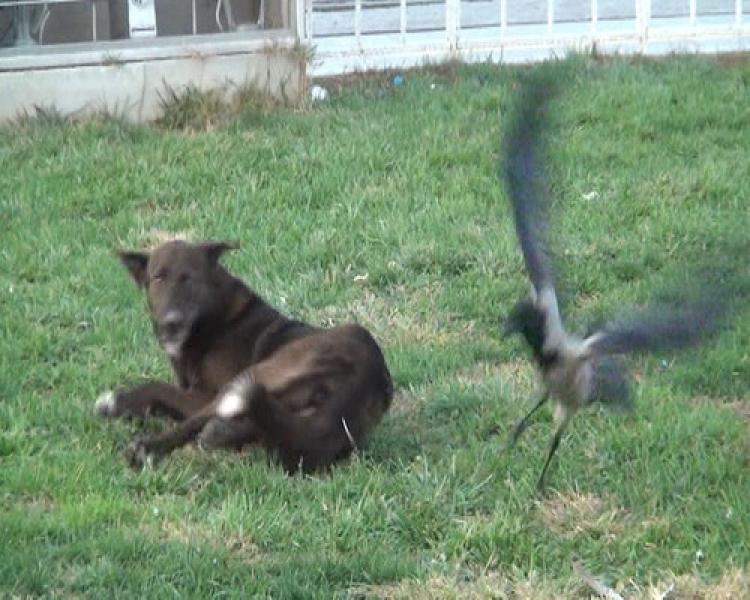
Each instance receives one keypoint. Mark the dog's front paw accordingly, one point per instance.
(106, 404)
(141, 454)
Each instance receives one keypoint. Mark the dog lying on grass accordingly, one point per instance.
(245, 373)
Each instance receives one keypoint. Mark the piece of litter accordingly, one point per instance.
(364, 277)
(667, 594)
(593, 195)
(597, 586)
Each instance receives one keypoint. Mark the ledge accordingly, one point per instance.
(117, 52)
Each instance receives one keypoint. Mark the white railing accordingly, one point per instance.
(365, 34)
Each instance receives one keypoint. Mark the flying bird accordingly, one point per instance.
(576, 371)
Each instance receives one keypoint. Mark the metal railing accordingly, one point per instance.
(361, 34)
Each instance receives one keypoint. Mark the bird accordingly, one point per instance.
(576, 371)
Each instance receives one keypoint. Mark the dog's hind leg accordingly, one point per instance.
(151, 449)
(304, 442)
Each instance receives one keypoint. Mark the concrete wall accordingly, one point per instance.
(130, 82)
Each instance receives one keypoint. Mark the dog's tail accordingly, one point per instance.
(235, 398)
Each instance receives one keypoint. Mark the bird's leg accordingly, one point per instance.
(562, 416)
(524, 423)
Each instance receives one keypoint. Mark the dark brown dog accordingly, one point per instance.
(245, 373)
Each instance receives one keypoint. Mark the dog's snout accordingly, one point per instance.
(172, 322)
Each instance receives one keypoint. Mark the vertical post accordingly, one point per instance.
(308, 4)
(693, 12)
(503, 17)
(594, 15)
(195, 19)
(550, 14)
(738, 14)
(357, 19)
(93, 20)
(456, 22)
(643, 16)
(450, 25)
(402, 21)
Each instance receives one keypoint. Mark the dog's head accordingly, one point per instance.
(183, 284)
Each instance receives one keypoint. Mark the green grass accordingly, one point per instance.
(399, 185)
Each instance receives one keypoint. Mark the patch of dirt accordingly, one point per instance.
(571, 514)
(156, 237)
(478, 373)
(469, 586)
(38, 502)
(740, 406)
(192, 533)
(409, 401)
(734, 584)
(447, 72)
(411, 317)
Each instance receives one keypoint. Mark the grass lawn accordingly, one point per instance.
(383, 205)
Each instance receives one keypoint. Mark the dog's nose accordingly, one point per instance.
(172, 323)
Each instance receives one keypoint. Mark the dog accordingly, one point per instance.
(245, 373)
(577, 371)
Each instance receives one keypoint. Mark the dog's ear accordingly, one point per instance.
(214, 250)
(136, 263)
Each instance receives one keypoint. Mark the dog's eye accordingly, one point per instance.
(185, 277)
(160, 276)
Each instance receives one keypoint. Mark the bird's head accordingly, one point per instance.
(528, 320)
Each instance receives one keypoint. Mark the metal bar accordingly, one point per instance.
(456, 21)
(738, 13)
(299, 20)
(357, 19)
(693, 12)
(646, 21)
(93, 20)
(594, 15)
(195, 19)
(503, 17)
(308, 19)
(550, 14)
(9, 3)
(450, 22)
(402, 21)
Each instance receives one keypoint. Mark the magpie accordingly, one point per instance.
(575, 371)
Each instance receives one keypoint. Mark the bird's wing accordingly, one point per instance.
(659, 328)
(523, 180)
(527, 192)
